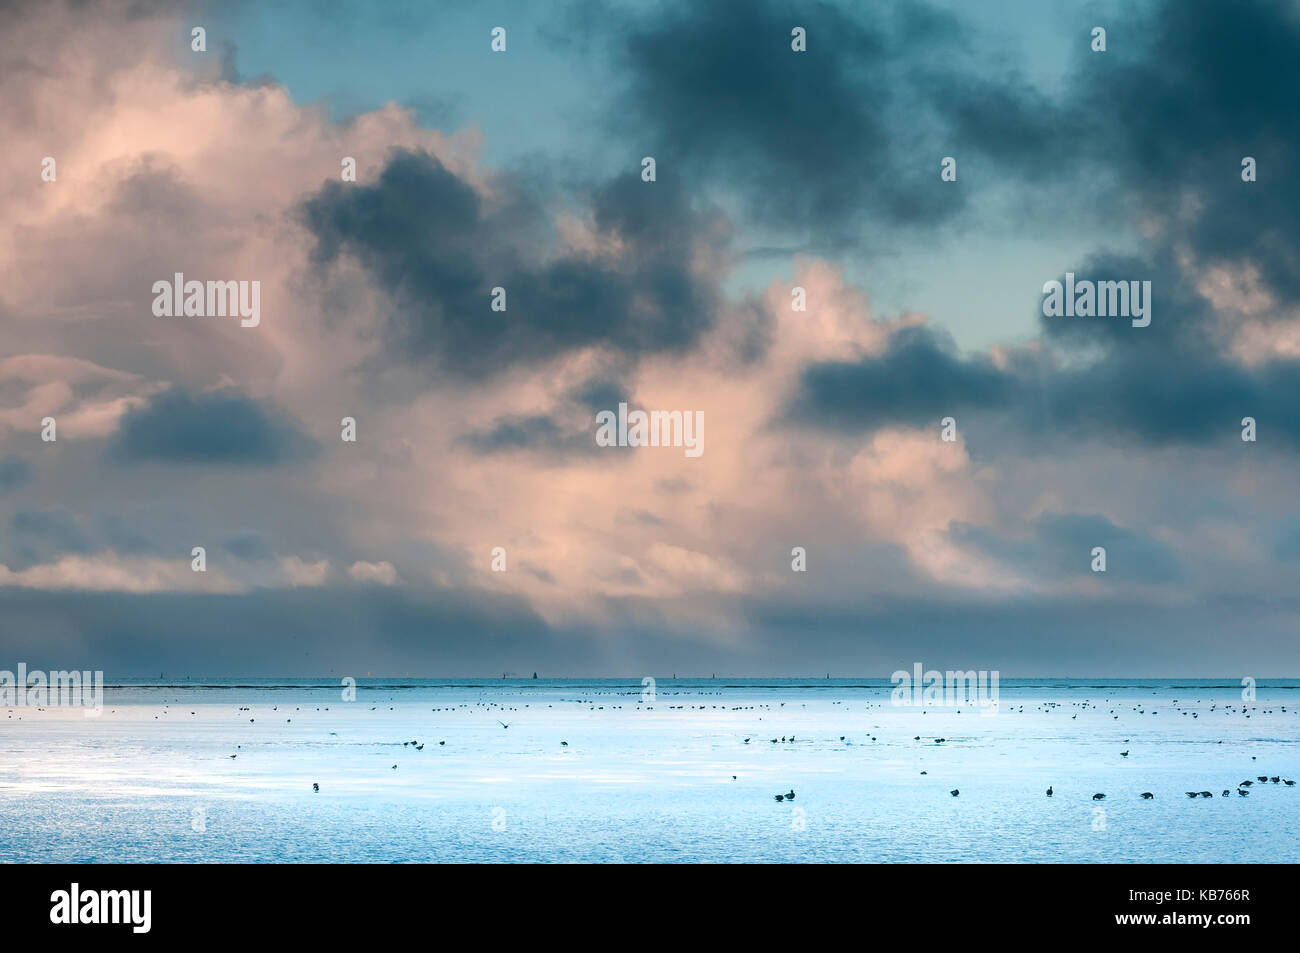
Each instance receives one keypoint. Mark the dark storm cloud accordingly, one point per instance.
(540, 433)
(14, 472)
(213, 429)
(250, 546)
(599, 393)
(1169, 383)
(348, 631)
(1060, 545)
(1028, 637)
(38, 535)
(918, 379)
(434, 633)
(818, 138)
(1212, 83)
(568, 431)
(440, 249)
(1161, 121)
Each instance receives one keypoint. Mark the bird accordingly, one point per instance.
(419, 747)
(1099, 797)
(564, 744)
(1262, 778)
(790, 796)
(1192, 794)
(315, 787)
(1275, 779)
(1049, 790)
(954, 792)
(1226, 792)
(780, 797)
(394, 767)
(1147, 795)
(1245, 784)
(1242, 792)
(1288, 782)
(503, 724)
(1207, 794)
(1123, 754)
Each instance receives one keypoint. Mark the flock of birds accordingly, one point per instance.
(1227, 792)
(1242, 788)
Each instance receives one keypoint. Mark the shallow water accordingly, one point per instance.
(152, 778)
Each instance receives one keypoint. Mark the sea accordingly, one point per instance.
(669, 770)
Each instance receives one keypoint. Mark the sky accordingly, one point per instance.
(475, 525)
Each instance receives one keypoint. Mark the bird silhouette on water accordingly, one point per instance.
(1049, 790)
(316, 787)
(954, 792)
(1099, 797)
(1147, 795)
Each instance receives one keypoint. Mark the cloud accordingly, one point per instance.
(295, 571)
(1177, 381)
(212, 428)
(1060, 546)
(476, 428)
(918, 379)
(820, 139)
(381, 573)
(14, 472)
(113, 573)
(438, 247)
(538, 432)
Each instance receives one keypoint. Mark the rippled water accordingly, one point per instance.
(152, 779)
